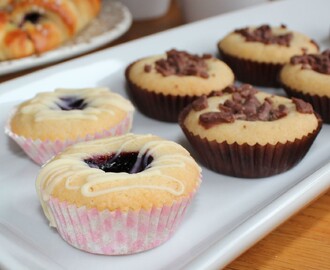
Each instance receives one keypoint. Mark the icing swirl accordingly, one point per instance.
(49, 106)
(93, 182)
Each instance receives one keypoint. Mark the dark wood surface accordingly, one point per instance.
(302, 242)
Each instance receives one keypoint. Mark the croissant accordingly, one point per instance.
(34, 26)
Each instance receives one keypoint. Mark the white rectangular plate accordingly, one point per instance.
(227, 216)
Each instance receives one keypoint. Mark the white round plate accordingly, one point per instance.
(113, 21)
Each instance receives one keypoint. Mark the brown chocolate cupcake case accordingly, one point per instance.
(162, 85)
(246, 133)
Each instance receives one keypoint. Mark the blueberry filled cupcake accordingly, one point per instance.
(256, 54)
(162, 85)
(49, 122)
(246, 133)
(308, 77)
(118, 195)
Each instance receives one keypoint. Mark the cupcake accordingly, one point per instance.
(256, 54)
(308, 77)
(51, 121)
(245, 133)
(118, 195)
(162, 85)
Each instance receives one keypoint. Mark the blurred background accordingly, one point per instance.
(191, 10)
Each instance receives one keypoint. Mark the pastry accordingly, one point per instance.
(308, 77)
(256, 54)
(243, 132)
(118, 195)
(49, 122)
(30, 27)
(162, 85)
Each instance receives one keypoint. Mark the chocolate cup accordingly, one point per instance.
(249, 161)
(253, 72)
(157, 105)
(321, 104)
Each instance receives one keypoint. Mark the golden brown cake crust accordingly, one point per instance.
(235, 45)
(220, 76)
(35, 26)
(293, 126)
(301, 76)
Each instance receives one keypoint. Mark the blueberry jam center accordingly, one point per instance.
(128, 162)
(33, 17)
(71, 103)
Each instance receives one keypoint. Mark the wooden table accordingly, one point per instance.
(302, 242)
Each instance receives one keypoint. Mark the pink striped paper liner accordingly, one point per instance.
(117, 232)
(42, 151)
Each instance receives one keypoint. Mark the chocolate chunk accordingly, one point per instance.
(317, 62)
(265, 35)
(243, 105)
(181, 63)
(264, 111)
(200, 103)
(229, 89)
(302, 106)
(215, 93)
(147, 68)
(209, 119)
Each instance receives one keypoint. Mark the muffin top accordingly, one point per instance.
(308, 73)
(128, 172)
(267, 44)
(69, 113)
(245, 115)
(180, 73)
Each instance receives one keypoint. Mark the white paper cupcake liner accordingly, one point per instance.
(116, 232)
(42, 151)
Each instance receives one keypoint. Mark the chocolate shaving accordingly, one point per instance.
(243, 105)
(200, 103)
(209, 119)
(265, 35)
(302, 106)
(317, 62)
(147, 68)
(182, 63)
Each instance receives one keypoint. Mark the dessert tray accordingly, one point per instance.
(113, 21)
(228, 214)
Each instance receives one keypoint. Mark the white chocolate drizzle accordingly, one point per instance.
(92, 182)
(45, 107)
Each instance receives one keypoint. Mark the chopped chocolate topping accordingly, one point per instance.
(317, 62)
(210, 119)
(147, 68)
(200, 103)
(265, 35)
(243, 105)
(302, 106)
(181, 63)
(216, 93)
